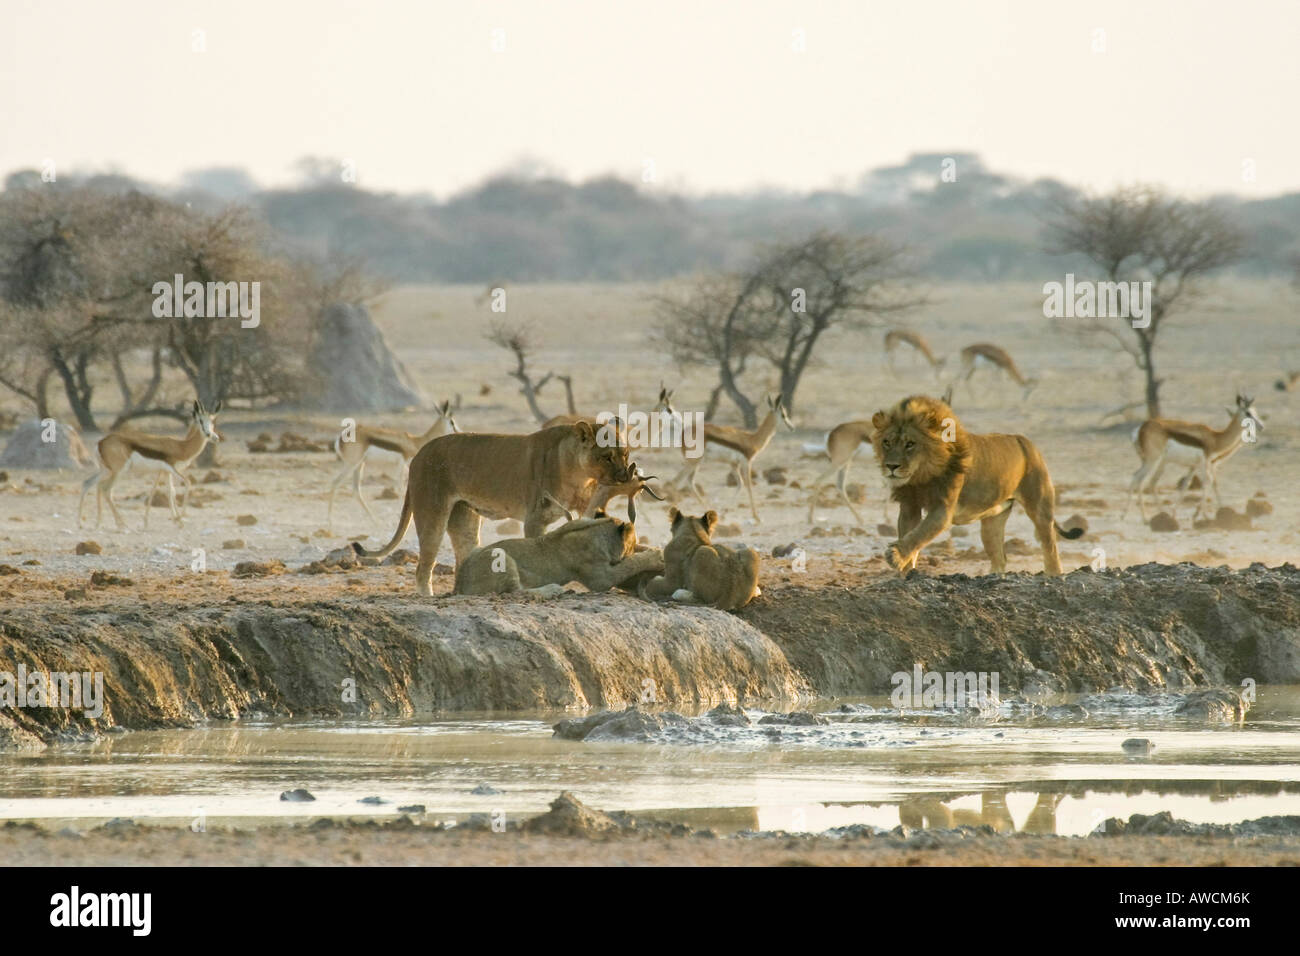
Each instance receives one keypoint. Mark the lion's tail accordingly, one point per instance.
(403, 523)
(1069, 535)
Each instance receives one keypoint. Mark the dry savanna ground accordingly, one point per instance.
(1241, 334)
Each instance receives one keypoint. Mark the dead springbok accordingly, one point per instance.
(738, 448)
(355, 442)
(121, 450)
(897, 337)
(1214, 448)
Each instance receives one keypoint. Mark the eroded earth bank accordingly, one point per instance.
(169, 663)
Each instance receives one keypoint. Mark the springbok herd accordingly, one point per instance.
(1200, 448)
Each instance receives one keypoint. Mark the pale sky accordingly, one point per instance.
(1189, 94)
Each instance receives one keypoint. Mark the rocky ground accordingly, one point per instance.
(571, 834)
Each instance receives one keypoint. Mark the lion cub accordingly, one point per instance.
(599, 552)
(697, 571)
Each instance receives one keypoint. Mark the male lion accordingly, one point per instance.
(455, 479)
(697, 571)
(937, 468)
(600, 552)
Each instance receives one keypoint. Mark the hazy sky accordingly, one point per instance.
(1184, 93)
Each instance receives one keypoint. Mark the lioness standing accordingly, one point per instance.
(697, 571)
(942, 475)
(456, 479)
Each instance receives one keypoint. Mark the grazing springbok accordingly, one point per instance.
(355, 442)
(1212, 448)
(897, 337)
(121, 450)
(983, 353)
(738, 448)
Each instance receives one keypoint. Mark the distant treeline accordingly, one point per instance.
(970, 224)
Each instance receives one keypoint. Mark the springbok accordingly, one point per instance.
(355, 442)
(121, 450)
(983, 353)
(738, 448)
(1213, 448)
(897, 337)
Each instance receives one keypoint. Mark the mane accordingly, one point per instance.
(926, 415)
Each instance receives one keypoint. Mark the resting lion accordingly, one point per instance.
(599, 552)
(455, 479)
(697, 571)
(942, 475)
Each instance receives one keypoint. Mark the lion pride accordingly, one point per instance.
(942, 475)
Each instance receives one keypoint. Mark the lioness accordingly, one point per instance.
(455, 479)
(937, 468)
(697, 571)
(600, 552)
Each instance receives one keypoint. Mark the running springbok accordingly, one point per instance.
(355, 442)
(1152, 439)
(121, 450)
(738, 448)
(897, 337)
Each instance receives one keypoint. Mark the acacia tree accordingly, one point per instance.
(1140, 234)
(519, 342)
(778, 311)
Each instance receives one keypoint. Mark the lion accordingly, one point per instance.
(600, 552)
(697, 571)
(942, 475)
(455, 480)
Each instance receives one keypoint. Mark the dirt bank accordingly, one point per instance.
(168, 664)
(1142, 627)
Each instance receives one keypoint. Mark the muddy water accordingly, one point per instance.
(1013, 769)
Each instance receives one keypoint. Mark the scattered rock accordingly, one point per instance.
(89, 547)
(485, 790)
(245, 521)
(105, 579)
(28, 448)
(1164, 521)
(630, 724)
(258, 569)
(297, 796)
(1075, 521)
(784, 550)
(234, 544)
(388, 494)
(74, 594)
(729, 715)
(1217, 706)
(211, 478)
(8, 569)
(400, 558)
(727, 531)
(775, 476)
(412, 808)
(373, 801)
(1258, 507)
(887, 530)
(798, 718)
(1138, 745)
(570, 817)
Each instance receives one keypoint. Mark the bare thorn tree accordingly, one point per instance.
(520, 341)
(1140, 234)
